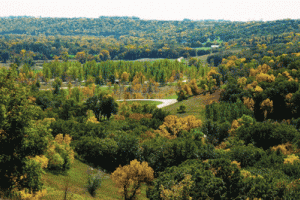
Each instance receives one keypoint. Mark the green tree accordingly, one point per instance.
(20, 137)
(56, 85)
(64, 56)
(102, 105)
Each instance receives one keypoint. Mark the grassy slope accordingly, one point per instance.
(143, 102)
(77, 176)
(193, 107)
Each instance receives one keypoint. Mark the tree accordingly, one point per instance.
(102, 105)
(104, 55)
(64, 56)
(4, 56)
(56, 85)
(20, 137)
(173, 126)
(81, 57)
(180, 191)
(109, 106)
(131, 176)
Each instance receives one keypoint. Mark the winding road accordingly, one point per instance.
(165, 102)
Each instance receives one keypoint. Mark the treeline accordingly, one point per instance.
(128, 38)
(184, 31)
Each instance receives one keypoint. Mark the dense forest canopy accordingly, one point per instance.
(133, 38)
(232, 132)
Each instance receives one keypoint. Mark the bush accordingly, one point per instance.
(60, 154)
(160, 114)
(181, 109)
(95, 178)
(151, 123)
(32, 176)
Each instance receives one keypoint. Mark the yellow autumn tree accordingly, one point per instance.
(173, 125)
(129, 178)
(58, 145)
(265, 77)
(260, 69)
(125, 77)
(267, 106)
(286, 148)
(258, 89)
(26, 195)
(91, 117)
(194, 87)
(81, 57)
(179, 191)
(291, 159)
(249, 102)
(139, 116)
(242, 81)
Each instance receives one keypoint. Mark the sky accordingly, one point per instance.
(250, 10)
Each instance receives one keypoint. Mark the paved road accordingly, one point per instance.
(165, 102)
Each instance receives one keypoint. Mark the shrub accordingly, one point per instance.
(32, 176)
(181, 109)
(95, 178)
(60, 154)
(151, 123)
(25, 195)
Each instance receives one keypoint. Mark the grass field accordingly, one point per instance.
(77, 177)
(194, 105)
(174, 96)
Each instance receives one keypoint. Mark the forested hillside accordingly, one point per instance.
(233, 132)
(132, 38)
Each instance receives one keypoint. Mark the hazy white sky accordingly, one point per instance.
(156, 9)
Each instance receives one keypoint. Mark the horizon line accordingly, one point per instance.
(185, 19)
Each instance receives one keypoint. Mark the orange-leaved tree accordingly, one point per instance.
(129, 178)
